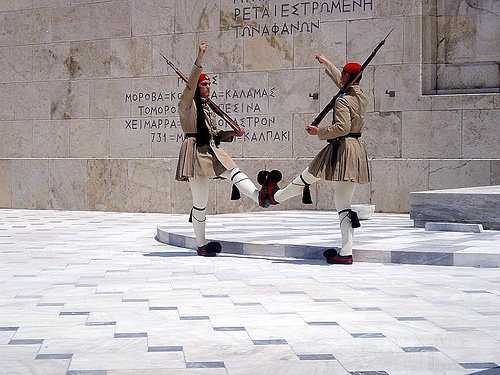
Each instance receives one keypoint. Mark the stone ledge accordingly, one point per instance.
(475, 205)
(386, 238)
(453, 227)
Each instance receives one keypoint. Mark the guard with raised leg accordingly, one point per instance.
(343, 160)
(200, 156)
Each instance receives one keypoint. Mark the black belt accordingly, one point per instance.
(335, 142)
(216, 138)
(349, 135)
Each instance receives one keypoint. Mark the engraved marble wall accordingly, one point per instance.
(107, 184)
(69, 100)
(445, 174)
(88, 113)
(50, 139)
(16, 140)
(495, 172)
(397, 178)
(68, 184)
(15, 5)
(481, 137)
(89, 138)
(5, 183)
(465, 44)
(383, 136)
(148, 185)
(15, 64)
(30, 183)
(431, 134)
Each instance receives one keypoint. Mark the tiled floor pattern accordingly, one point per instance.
(386, 238)
(92, 293)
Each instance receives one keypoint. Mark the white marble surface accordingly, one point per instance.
(93, 291)
(385, 238)
(454, 227)
(475, 205)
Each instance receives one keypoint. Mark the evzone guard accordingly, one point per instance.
(200, 157)
(343, 160)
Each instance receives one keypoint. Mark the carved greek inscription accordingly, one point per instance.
(261, 18)
(156, 114)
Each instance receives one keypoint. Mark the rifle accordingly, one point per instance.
(348, 84)
(212, 105)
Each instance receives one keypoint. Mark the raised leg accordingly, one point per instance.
(243, 183)
(296, 187)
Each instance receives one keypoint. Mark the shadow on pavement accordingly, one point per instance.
(170, 254)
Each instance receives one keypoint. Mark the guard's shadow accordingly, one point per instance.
(171, 254)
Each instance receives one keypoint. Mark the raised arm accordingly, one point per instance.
(201, 52)
(187, 97)
(330, 69)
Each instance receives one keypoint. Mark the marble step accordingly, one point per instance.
(384, 238)
(474, 205)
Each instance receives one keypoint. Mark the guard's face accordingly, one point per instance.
(344, 78)
(204, 87)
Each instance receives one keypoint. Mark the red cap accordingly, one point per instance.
(351, 68)
(203, 77)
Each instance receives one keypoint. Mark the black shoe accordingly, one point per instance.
(211, 249)
(263, 196)
(269, 182)
(330, 253)
(340, 259)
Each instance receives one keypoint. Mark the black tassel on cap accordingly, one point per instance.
(306, 193)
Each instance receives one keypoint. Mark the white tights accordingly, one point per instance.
(243, 183)
(343, 193)
(295, 187)
(199, 191)
(343, 198)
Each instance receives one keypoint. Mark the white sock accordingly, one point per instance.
(243, 183)
(344, 192)
(347, 233)
(199, 190)
(295, 187)
(199, 220)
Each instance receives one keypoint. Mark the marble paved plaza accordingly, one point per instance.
(93, 293)
(384, 238)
